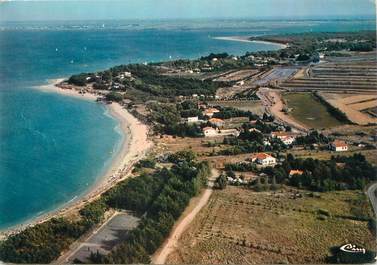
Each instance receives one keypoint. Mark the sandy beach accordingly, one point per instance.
(134, 146)
(246, 39)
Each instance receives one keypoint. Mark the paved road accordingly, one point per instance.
(172, 241)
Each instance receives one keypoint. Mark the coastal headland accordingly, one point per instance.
(247, 39)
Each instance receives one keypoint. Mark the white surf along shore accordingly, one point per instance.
(134, 146)
(246, 39)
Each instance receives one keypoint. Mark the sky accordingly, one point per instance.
(26, 10)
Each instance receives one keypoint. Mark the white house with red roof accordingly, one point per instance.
(338, 146)
(286, 137)
(217, 122)
(263, 159)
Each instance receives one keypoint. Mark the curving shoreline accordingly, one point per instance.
(246, 39)
(134, 146)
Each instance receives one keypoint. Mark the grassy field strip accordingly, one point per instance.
(308, 110)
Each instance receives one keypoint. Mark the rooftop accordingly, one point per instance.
(215, 120)
(339, 143)
(261, 156)
(282, 134)
(296, 172)
(208, 128)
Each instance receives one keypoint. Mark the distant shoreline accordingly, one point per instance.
(135, 144)
(247, 39)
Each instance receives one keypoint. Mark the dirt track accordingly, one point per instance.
(274, 104)
(171, 242)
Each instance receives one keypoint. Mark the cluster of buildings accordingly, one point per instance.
(216, 125)
(265, 159)
(216, 128)
(117, 83)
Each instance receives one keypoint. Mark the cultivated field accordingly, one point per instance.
(237, 75)
(239, 226)
(277, 74)
(356, 74)
(355, 106)
(305, 108)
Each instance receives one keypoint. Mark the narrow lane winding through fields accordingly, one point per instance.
(172, 241)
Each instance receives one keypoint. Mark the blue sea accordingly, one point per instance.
(53, 148)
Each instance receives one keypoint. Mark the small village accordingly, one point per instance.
(219, 130)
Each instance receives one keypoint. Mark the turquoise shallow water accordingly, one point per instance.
(53, 148)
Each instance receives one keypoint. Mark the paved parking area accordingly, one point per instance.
(106, 237)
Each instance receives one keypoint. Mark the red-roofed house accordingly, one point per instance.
(263, 159)
(295, 172)
(286, 137)
(338, 146)
(217, 122)
(210, 111)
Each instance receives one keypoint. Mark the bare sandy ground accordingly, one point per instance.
(349, 99)
(352, 105)
(171, 243)
(134, 147)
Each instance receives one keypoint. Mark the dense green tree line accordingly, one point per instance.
(338, 173)
(188, 108)
(262, 126)
(251, 142)
(169, 122)
(215, 55)
(229, 112)
(149, 79)
(44, 242)
(312, 137)
(337, 113)
(114, 96)
(307, 45)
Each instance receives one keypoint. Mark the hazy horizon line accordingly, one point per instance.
(267, 18)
